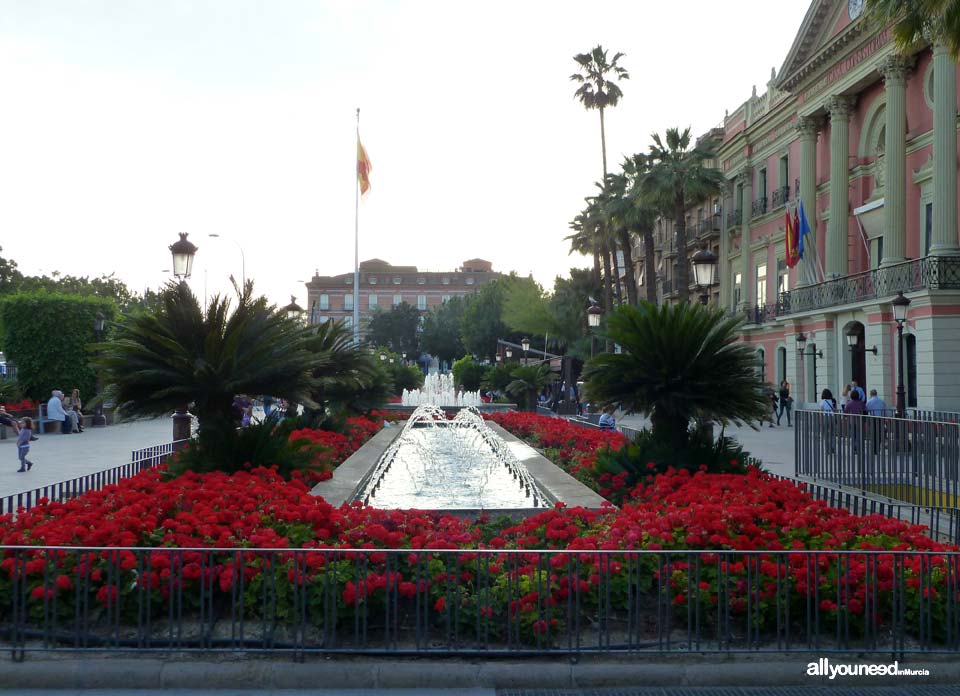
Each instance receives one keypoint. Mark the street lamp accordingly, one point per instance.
(499, 357)
(525, 344)
(900, 305)
(704, 272)
(293, 310)
(802, 351)
(853, 340)
(509, 352)
(98, 324)
(243, 258)
(183, 252)
(383, 357)
(593, 321)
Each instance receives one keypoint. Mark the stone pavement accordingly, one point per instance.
(58, 457)
(772, 446)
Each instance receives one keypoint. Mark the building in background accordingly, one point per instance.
(382, 285)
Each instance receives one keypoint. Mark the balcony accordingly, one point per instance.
(708, 225)
(759, 206)
(760, 314)
(667, 287)
(931, 273)
(781, 197)
(734, 218)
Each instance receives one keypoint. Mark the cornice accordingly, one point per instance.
(824, 55)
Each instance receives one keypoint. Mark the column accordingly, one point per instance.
(944, 237)
(745, 178)
(723, 267)
(894, 70)
(808, 128)
(837, 229)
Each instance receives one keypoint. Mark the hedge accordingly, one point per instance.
(46, 336)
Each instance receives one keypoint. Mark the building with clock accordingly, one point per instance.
(865, 135)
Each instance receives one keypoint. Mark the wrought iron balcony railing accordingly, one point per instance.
(709, 224)
(734, 218)
(780, 197)
(760, 314)
(667, 287)
(932, 273)
(760, 206)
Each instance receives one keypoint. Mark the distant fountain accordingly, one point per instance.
(437, 463)
(438, 390)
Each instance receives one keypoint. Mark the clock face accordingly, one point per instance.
(854, 8)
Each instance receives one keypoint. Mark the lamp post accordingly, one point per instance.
(509, 352)
(293, 310)
(704, 272)
(525, 344)
(243, 258)
(183, 252)
(593, 321)
(802, 351)
(98, 419)
(900, 305)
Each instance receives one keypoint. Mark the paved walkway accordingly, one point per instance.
(62, 457)
(772, 446)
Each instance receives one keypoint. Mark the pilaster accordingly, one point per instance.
(894, 70)
(944, 237)
(840, 108)
(745, 178)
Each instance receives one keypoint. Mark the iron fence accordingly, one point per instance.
(140, 459)
(932, 272)
(477, 602)
(942, 523)
(914, 461)
(734, 218)
(780, 197)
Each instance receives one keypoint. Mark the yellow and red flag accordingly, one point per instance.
(363, 168)
(790, 239)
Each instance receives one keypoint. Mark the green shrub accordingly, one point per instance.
(406, 377)
(468, 372)
(47, 336)
(648, 455)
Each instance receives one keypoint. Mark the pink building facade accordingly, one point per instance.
(866, 137)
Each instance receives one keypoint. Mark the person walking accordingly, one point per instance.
(855, 405)
(775, 401)
(786, 403)
(23, 445)
(875, 405)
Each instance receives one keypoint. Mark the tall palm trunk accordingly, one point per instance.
(615, 279)
(607, 287)
(596, 266)
(683, 265)
(629, 278)
(603, 143)
(649, 266)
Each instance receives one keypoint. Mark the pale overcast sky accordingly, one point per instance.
(125, 122)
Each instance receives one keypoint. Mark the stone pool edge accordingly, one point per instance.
(349, 478)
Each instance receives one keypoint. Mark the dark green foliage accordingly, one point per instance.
(10, 391)
(178, 355)
(395, 328)
(345, 377)
(915, 20)
(441, 330)
(405, 377)
(468, 373)
(648, 456)
(528, 381)
(679, 362)
(498, 377)
(47, 336)
(260, 444)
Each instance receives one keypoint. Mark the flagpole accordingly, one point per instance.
(356, 238)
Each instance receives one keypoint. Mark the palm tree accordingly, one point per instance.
(913, 18)
(528, 381)
(598, 88)
(345, 377)
(679, 362)
(621, 215)
(582, 241)
(598, 224)
(680, 176)
(178, 354)
(642, 217)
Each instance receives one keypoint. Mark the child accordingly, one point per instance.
(23, 444)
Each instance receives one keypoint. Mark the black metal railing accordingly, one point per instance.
(667, 287)
(760, 314)
(759, 206)
(914, 461)
(141, 459)
(932, 272)
(709, 224)
(734, 218)
(781, 197)
(477, 602)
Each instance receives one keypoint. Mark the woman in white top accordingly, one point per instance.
(827, 402)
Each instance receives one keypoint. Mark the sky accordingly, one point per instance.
(126, 122)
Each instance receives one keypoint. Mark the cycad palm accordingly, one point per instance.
(528, 381)
(679, 362)
(679, 176)
(177, 355)
(344, 376)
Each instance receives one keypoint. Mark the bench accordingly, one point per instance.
(44, 425)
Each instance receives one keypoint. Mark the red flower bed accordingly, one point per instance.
(25, 406)
(336, 447)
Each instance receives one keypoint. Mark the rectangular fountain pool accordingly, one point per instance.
(450, 468)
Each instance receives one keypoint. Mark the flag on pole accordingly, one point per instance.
(790, 239)
(803, 229)
(363, 168)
